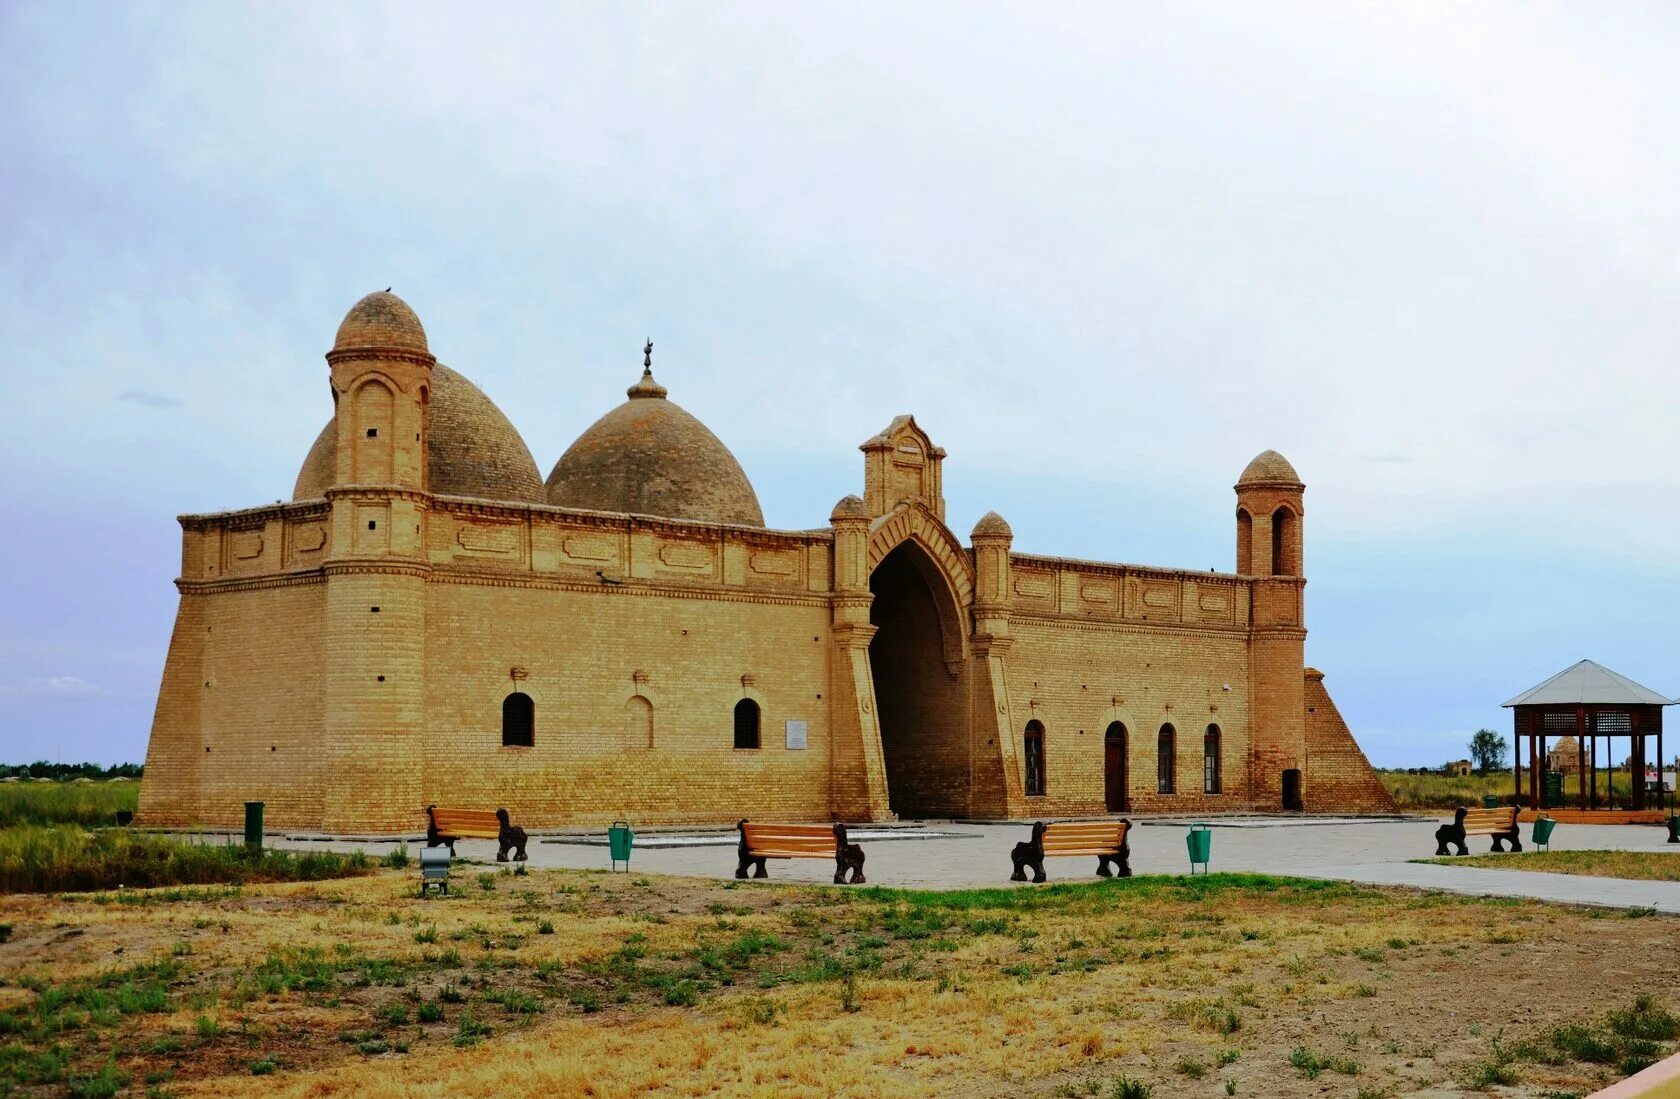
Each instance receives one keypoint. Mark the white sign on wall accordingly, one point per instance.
(795, 736)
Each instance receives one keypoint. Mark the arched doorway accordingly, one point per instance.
(919, 702)
(1114, 768)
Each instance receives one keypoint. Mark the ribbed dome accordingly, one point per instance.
(471, 450)
(650, 457)
(1269, 468)
(381, 320)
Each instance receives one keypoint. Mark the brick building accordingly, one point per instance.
(428, 620)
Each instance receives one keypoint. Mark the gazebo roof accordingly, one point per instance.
(1589, 684)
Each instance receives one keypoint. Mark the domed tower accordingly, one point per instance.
(375, 618)
(1269, 552)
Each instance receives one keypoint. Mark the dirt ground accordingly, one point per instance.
(590, 984)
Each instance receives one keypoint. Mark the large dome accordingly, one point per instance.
(650, 457)
(471, 449)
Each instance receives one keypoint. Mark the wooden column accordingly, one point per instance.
(1518, 719)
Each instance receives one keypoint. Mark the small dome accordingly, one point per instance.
(992, 525)
(649, 456)
(381, 320)
(1269, 468)
(471, 449)
(849, 507)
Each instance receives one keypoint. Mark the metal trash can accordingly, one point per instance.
(619, 841)
(253, 825)
(1200, 843)
(1490, 801)
(434, 869)
(1543, 831)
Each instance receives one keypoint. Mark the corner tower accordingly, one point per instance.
(1269, 552)
(374, 628)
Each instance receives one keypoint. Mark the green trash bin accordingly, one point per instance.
(253, 824)
(1200, 842)
(619, 840)
(1543, 831)
(1490, 801)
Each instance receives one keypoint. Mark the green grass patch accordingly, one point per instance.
(85, 803)
(66, 858)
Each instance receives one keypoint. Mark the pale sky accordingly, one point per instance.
(1104, 253)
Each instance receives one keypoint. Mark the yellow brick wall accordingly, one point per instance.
(1340, 777)
(580, 653)
(240, 711)
(1075, 678)
(275, 662)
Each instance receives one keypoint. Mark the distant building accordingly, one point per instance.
(1459, 767)
(1565, 755)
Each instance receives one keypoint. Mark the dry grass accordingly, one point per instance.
(1438, 791)
(686, 987)
(1637, 865)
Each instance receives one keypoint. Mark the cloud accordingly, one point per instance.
(149, 400)
(1389, 459)
(53, 686)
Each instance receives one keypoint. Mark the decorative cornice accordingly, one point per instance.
(379, 492)
(1129, 625)
(468, 505)
(381, 354)
(630, 586)
(358, 566)
(301, 509)
(297, 578)
(1222, 579)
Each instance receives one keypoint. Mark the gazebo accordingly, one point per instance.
(1592, 704)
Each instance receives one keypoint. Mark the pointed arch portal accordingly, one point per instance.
(919, 697)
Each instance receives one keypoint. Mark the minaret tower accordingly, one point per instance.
(376, 571)
(1269, 516)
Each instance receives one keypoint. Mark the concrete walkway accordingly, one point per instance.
(967, 855)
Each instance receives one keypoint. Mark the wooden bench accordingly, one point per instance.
(1106, 839)
(445, 826)
(1499, 823)
(798, 841)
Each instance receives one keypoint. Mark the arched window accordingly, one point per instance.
(638, 722)
(1283, 563)
(1210, 760)
(1164, 761)
(1033, 760)
(519, 721)
(1245, 543)
(746, 724)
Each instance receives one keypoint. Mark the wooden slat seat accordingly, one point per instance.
(1106, 839)
(445, 826)
(1500, 823)
(798, 841)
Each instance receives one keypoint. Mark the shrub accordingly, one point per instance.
(1646, 1019)
(1128, 1088)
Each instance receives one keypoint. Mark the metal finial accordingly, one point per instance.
(647, 358)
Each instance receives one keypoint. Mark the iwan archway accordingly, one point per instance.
(917, 666)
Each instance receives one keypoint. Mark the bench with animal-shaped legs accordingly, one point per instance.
(445, 826)
(798, 841)
(1499, 823)
(1106, 839)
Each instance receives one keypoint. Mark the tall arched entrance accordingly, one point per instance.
(919, 697)
(1114, 768)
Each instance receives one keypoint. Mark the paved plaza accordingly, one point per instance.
(962, 855)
